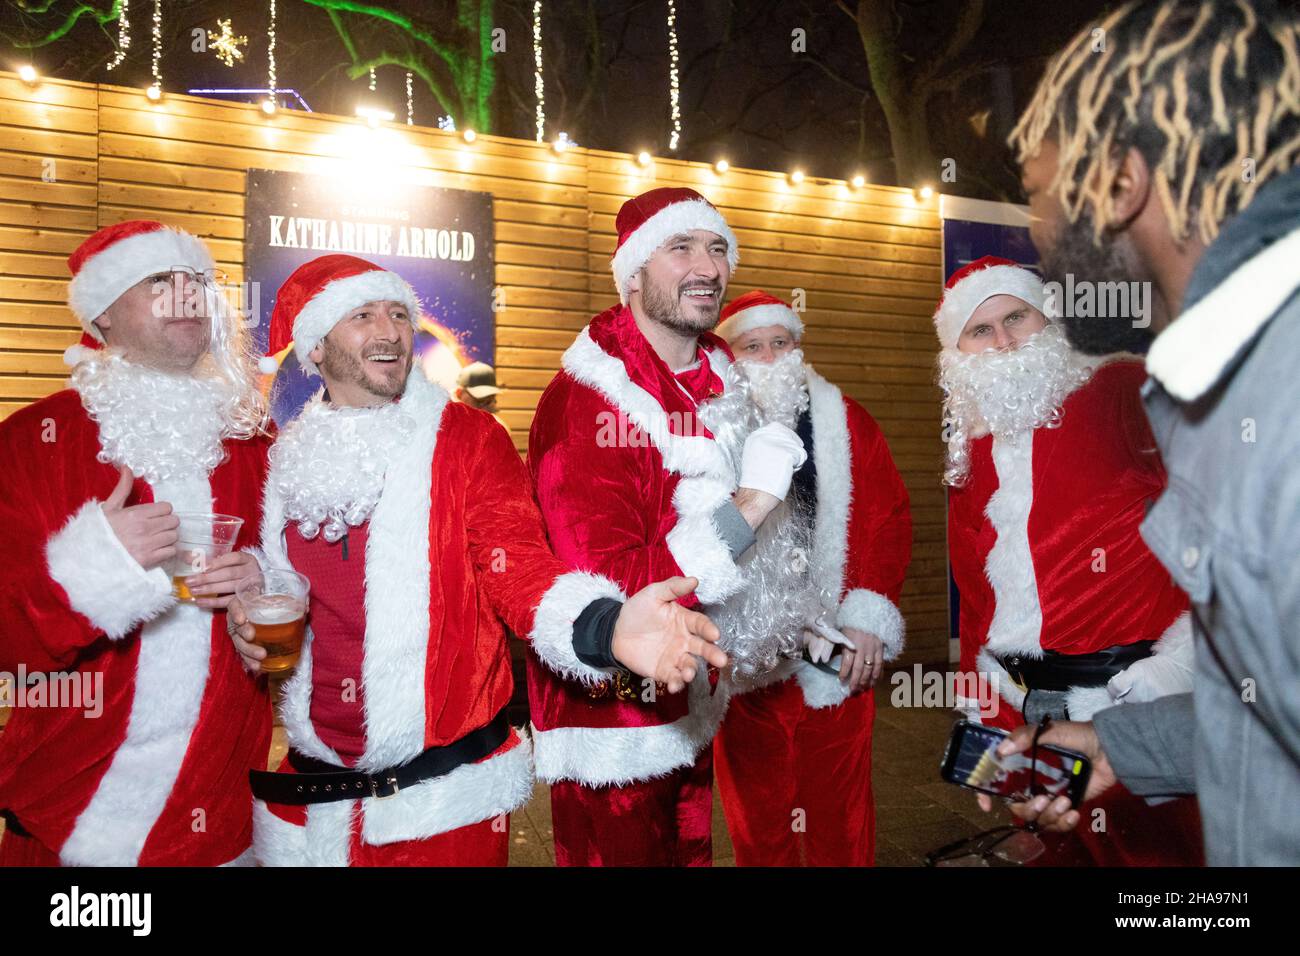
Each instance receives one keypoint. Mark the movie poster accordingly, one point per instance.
(438, 240)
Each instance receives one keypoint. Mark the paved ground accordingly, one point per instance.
(915, 810)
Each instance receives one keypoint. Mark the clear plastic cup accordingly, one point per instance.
(202, 538)
(276, 604)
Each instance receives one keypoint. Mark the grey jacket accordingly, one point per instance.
(1224, 404)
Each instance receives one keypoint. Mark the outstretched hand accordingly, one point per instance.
(656, 637)
(1057, 815)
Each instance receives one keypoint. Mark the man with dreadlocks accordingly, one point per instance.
(1063, 609)
(1169, 154)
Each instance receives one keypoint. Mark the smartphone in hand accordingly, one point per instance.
(971, 761)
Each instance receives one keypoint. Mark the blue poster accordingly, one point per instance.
(439, 240)
(965, 241)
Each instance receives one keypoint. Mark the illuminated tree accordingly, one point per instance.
(455, 64)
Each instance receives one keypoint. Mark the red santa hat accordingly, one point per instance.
(319, 293)
(646, 222)
(116, 257)
(977, 281)
(757, 310)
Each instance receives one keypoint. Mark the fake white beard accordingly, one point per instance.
(762, 624)
(160, 425)
(1006, 393)
(329, 463)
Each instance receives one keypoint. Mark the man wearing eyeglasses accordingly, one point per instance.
(148, 762)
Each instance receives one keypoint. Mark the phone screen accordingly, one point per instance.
(972, 761)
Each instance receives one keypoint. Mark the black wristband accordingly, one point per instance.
(593, 633)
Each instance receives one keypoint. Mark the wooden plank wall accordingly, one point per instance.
(868, 260)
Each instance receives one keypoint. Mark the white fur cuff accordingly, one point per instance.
(552, 635)
(262, 560)
(1177, 642)
(821, 689)
(103, 582)
(875, 614)
(695, 543)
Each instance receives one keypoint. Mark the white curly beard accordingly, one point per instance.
(1007, 393)
(762, 624)
(161, 426)
(329, 464)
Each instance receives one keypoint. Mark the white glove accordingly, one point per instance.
(820, 638)
(773, 453)
(1155, 676)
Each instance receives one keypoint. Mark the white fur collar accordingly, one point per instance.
(1190, 356)
(329, 463)
(396, 602)
(161, 426)
(687, 455)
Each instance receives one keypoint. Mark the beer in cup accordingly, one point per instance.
(275, 602)
(201, 538)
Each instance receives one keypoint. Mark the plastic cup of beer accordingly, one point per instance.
(201, 538)
(276, 604)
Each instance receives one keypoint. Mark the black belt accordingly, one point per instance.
(1057, 671)
(315, 781)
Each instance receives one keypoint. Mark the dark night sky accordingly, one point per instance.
(744, 94)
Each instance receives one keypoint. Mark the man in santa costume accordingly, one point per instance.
(794, 757)
(162, 416)
(412, 518)
(632, 484)
(1064, 609)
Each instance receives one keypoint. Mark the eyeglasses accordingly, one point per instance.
(1010, 843)
(212, 279)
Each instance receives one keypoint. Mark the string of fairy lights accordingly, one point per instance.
(538, 85)
(269, 104)
(155, 64)
(227, 50)
(123, 34)
(674, 91)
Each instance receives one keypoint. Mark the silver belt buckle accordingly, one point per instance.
(390, 782)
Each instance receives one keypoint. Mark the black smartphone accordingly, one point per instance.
(971, 760)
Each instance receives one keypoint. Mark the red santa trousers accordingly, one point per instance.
(666, 821)
(777, 757)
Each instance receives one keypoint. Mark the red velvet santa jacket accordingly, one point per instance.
(1044, 543)
(161, 776)
(454, 547)
(627, 480)
(862, 536)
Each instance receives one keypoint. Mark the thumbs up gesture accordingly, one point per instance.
(148, 532)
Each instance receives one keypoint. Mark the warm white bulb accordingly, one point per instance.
(859, 181)
(268, 107)
(925, 192)
(796, 177)
(153, 92)
(468, 135)
(27, 73)
(721, 166)
(643, 158)
(560, 144)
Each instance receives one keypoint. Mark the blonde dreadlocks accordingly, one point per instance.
(1208, 91)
